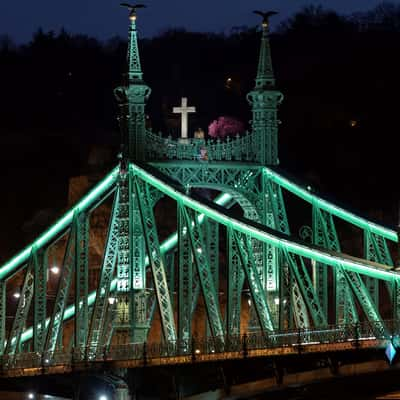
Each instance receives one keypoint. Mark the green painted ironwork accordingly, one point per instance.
(262, 257)
(264, 100)
(106, 276)
(132, 98)
(206, 279)
(185, 279)
(235, 281)
(39, 298)
(55, 327)
(81, 282)
(156, 259)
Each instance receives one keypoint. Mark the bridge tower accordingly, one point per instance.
(132, 99)
(131, 301)
(264, 100)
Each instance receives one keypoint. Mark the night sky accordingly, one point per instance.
(104, 19)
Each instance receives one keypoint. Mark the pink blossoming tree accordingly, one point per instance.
(225, 126)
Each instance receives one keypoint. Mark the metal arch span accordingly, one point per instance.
(269, 236)
(310, 197)
(248, 229)
(104, 187)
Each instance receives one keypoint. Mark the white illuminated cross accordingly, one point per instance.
(184, 110)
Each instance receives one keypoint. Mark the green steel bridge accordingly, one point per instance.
(263, 289)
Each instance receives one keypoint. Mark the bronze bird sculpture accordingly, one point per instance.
(265, 15)
(132, 8)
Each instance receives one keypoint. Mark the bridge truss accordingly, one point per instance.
(185, 270)
(177, 266)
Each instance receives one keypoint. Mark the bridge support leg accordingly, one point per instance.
(121, 392)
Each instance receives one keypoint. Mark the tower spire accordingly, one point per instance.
(265, 73)
(264, 100)
(132, 97)
(134, 68)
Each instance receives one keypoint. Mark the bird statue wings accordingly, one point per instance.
(132, 7)
(265, 15)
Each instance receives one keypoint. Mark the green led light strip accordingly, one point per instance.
(324, 257)
(61, 224)
(323, 204)
(264, 235)
(166, 246)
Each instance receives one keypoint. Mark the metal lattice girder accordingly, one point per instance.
(54, 330)
(285, 297)
(274, 217)
(277, 204)
(87, 202)
(3, 315)
(371, 253)
(309, 196)
(346, 311)
(325, 235)
(320, 271)
(156, 260)
(202, 263)
(299, 271)
(235, 286)
(138, 297)
(211, 236)
(243, 243)
(396, 300)
(185, 278)
(170, 261)
(81, 282)
(366, 303)
(106, 276)
(211, 230)
(124, 238)
(107, 329)
(376, 249)
(24, 303)
(39, 308)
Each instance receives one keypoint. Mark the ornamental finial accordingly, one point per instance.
(266, 16)
(265, 75)
(135, 74)
(132, 8)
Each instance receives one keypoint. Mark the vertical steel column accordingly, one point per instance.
(367, 304)
(106, 276)
(396, 305)
(185, 278)
(139, 296)
(24, 303)
(211, 235)
(370, 253)
(235, 280)
(325, 234)
(264, 317)
(56, 320)
(156, 260)
(320, 271)
(299, 272)
(39, 293)
(276, 218)
(3, 315)
(81, 282)
(205, 277)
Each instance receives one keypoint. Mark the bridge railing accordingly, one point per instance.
(237, 148)
(241, 344)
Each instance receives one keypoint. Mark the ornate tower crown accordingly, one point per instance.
(133, 96)
(264, 100)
